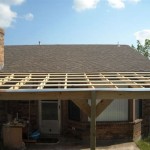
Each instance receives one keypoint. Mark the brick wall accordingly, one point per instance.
(3, 115)
(107, 130)
(22, 108)
(1, 47)
(137, 129)
(146, 117)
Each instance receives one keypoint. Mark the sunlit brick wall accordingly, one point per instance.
(1, 48)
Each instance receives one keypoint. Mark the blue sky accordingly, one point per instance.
(75, 21)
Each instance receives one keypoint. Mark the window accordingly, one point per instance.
(73, 111)
(116, 111)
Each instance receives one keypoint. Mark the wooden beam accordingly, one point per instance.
(84, 106)
(132, 110)
(93, 122)
(73, 95)
(44, 95)
(102, 105)
(123, 95)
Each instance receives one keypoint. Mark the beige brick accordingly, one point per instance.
(1, 47)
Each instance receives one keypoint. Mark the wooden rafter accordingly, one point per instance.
(111, 84)
(78, 87)
(130, 81)
(21, 83)
(88, 81)
(66, 81)
(6, 79)
(43, 83)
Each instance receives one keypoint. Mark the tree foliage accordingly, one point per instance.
(143, 49)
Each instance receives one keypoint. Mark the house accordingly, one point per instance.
(122, 119)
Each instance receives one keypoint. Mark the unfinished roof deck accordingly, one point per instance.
(76, 85)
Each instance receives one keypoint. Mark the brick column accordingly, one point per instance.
(1, 48)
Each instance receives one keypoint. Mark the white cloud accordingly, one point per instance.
(6, 16)
(28, 17)
(12, 2)
(134, 1)
(81, 5)
(119, 4)
(142, 35)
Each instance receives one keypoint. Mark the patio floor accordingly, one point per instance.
(76, 144)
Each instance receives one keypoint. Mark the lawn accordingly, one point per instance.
(144, 144)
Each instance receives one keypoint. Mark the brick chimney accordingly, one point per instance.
(1, 48)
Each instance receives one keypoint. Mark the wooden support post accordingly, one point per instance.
(132, 110)
(93, 122)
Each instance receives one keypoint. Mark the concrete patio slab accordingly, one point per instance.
(124, 146)
(75, 144)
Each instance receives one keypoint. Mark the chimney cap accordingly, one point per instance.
(2, 31)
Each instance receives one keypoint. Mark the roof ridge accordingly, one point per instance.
(71, 45)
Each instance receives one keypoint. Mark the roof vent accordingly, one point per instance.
(39, 42)
(118, 44)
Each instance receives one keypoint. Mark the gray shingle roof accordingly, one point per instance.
(73, 58)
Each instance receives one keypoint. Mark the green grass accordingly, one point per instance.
(144, 144)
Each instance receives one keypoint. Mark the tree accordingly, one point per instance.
(143, 49)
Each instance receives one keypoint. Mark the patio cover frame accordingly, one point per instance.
(77, 87)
